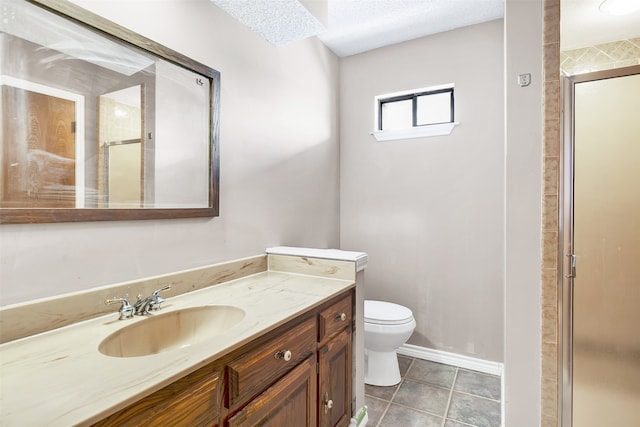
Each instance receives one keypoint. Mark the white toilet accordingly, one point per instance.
(386, 327)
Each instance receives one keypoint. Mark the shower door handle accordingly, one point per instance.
(572, 265)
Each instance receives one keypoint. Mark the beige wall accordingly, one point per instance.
(429, 211)
(280, 178)
(279, 163)
(523, 200)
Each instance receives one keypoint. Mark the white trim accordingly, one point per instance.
(415, 132)
(459, 360)
(503, 396)
(412, 91)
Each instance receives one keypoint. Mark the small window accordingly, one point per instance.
(410, 114)
(396, 114)
(416, 109)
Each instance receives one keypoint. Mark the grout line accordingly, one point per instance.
(391, 400)
(429, 384)
(446, 410)
(411, 408)
(404, 378)
(464, 424)
(478, 396)
(378, 424)
(397, 389)
(413, 360)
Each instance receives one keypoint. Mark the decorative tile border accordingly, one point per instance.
(622, 53)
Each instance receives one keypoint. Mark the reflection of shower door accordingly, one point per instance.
(605, 294)
(123, 174)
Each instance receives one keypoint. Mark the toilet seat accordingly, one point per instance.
(386, 313)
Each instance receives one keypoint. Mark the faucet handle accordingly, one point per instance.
(125, 311)
(157, 291)
(156, 299)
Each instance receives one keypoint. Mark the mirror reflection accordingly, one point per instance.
(91, 122)
(120, 153)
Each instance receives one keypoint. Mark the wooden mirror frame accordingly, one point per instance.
(111, 30)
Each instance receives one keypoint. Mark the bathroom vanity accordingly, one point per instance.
(283, 377)
(288, 360)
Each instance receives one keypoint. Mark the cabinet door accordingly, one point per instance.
(289, 402)
(191, 401)
(334, 406)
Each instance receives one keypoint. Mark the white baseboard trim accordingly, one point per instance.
(459, 360)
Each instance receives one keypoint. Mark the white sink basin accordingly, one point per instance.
(170, 331)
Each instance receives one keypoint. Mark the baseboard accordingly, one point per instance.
(459, 360)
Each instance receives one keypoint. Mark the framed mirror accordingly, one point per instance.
(99, 123)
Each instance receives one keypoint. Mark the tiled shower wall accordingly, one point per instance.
(550, 230)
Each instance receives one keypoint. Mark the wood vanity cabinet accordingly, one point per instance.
(334, 363)
(297, 375)
(261, 365)
(194, 400)
(317, 392)
(289, 402)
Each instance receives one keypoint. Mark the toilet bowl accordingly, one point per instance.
(386, 327)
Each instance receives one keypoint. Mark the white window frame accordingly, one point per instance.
(416, 131)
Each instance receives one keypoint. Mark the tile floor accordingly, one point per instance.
(435, 395)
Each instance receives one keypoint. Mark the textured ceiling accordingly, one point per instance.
(360, 25)
(277, 21)
(349, 27)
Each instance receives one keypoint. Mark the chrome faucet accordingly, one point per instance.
(126, 310)
(151, 303)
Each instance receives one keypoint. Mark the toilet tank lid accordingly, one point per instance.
(383, 312)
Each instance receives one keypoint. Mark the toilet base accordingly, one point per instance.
(381, 368)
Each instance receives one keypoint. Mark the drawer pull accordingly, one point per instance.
(283, 354)
(340, 317)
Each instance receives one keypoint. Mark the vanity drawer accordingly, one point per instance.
(335, 318)
(260, 366)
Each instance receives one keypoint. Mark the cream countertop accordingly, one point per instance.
(59, 378)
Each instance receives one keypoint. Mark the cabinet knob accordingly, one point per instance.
(283, 354)
(341, 317)
(328, 403)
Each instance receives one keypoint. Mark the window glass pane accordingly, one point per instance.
(397, 114)
(434, 108)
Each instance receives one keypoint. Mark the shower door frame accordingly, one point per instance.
(566, 270)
